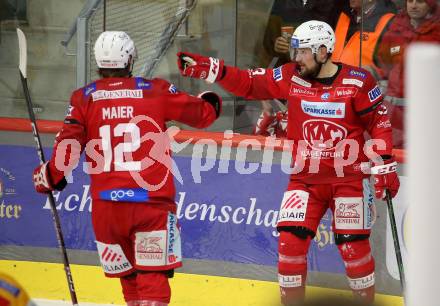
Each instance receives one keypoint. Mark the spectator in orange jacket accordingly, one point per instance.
(419, 22)
(377, 16)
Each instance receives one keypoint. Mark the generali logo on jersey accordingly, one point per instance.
(150, 248)
(343, 92)
(349, 213)
(117, 94)
(301, 91)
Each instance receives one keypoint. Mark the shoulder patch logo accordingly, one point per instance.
(357, 73)
(89, 89)
(142, 83)
(277, 74)
(374, 94)
(172, 89)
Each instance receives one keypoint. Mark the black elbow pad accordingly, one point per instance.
(214, 99)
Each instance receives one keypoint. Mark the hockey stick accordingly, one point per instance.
(395, 239)
(56, 220)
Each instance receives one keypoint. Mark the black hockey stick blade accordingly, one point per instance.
(56, 220)
(395, 239)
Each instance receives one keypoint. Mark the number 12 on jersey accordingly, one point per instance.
(116, 154)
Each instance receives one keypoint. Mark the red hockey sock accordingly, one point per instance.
(153, 286)
(359, 265)
(129, 289)
(292, 267)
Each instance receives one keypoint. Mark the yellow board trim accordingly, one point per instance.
(47, 280)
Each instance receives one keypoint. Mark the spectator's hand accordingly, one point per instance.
(386, 178)
(281, 45)
(43, 182)
(199, 66)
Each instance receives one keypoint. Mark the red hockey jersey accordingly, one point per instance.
(120, 124)
(326, 120)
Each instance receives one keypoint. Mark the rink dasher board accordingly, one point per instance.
(241, 250)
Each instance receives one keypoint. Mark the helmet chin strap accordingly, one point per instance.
(130, 64)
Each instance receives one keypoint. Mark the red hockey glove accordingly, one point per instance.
(198, 66)
(265, 124)
(385, 178)
(43, 182)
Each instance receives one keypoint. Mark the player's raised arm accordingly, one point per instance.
(257, 83)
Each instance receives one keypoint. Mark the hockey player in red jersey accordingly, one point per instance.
(119, 122)
(272, 124)
(330, 106)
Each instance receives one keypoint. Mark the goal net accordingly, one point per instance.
(152, 24)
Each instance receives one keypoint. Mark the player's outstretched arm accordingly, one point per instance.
(251, 84)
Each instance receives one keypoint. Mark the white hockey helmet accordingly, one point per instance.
(113, 50)
(313, 34)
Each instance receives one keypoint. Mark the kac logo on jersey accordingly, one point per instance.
(323, 109)
(277, 74)
(323, 135)
(124, 195)
(374, 94)
(357, 73)
(325, 96)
